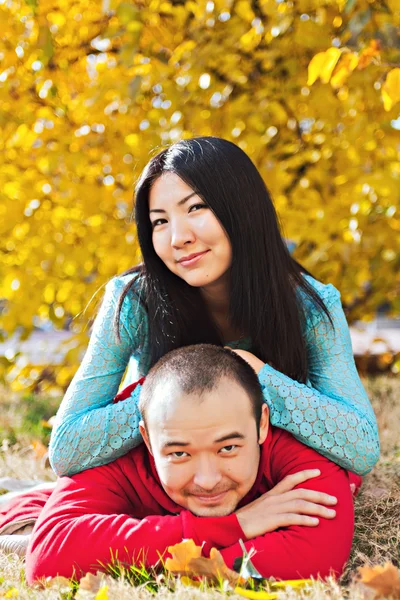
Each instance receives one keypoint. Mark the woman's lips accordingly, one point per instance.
(192, 261)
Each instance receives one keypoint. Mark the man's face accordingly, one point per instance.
(206, 448)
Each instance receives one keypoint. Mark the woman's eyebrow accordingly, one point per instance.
(161, 210)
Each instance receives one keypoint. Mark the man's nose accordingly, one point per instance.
(181, 235)
(207, 475)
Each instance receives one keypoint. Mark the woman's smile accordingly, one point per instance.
(192, 259)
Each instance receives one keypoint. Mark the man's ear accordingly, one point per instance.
(264, 424)
(145, 436)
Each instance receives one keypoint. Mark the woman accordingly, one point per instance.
(215, 269)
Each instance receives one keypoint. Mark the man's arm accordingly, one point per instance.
(301, 551)
(88, 520)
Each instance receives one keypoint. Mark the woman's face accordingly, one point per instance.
(187, 236)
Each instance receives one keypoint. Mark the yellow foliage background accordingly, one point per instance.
(89, 90)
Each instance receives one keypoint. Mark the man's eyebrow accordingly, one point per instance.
(230, 436)
(160, 210)
(172, 443)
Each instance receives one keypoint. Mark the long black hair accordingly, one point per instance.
(264, 278)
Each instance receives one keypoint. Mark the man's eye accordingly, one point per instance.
(228, 449)
(178, 454)
(197, 206)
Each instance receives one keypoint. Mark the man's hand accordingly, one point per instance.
(250, 358)
(283, 506)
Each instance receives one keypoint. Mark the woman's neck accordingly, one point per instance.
(217, 300)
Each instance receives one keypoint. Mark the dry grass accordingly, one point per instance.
(377, 531)
(377, 509)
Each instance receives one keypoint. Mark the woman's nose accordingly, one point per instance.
(181, 234)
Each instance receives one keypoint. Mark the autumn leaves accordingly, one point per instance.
(336, 65)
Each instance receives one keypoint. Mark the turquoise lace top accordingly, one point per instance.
(330, 413)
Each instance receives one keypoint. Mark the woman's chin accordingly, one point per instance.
(196, 280)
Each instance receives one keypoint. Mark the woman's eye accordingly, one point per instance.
(228, 449)
(197, 206)
(158, 222)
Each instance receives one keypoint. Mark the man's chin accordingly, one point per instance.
(212, 511)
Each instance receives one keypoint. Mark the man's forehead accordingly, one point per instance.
(172, 408)
(170, 404)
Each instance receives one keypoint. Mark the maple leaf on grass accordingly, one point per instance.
(182, 554)
(58, 582)
(385, 580)
(187, 560)
(91, 582)
(214, 568)
(39, 449)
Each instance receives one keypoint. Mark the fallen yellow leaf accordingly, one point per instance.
(102, 594)
(11, 593)
(57, 582)
(187, 560)
(182, 554)
(190, 582)
(275, 585)
(253, 595)
(90, 582)
(39, 449)
(214, 568)
(294, 583)
(385, 580)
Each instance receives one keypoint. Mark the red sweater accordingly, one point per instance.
(121, 509)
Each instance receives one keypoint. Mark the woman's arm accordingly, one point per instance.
(332, 414)
(90, 430)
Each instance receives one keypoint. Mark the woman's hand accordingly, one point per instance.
(250, 358)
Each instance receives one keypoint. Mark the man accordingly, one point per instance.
(211, 469)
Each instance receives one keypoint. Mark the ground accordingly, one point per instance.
(24, 433)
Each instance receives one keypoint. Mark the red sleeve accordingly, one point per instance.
(128, 390)
(88, 519)
(299, 551)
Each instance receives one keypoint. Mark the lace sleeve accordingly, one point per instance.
(90, 430)
(332, 413)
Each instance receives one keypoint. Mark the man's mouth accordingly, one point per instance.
(210, 498)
